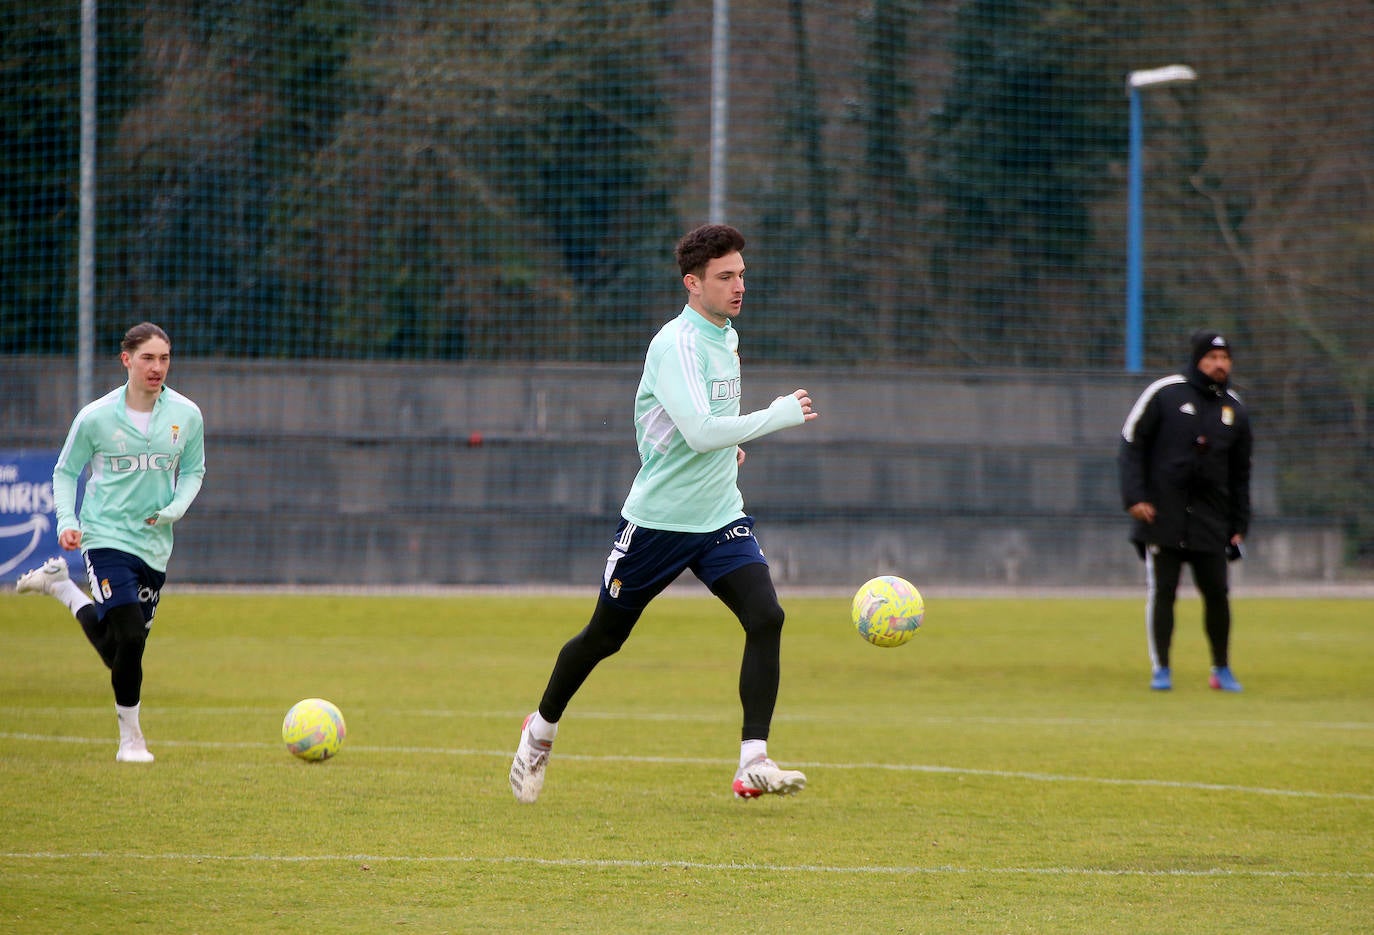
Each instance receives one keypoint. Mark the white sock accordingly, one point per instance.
(68, 593)
(129, 728)
(751, 750)
(541, 729)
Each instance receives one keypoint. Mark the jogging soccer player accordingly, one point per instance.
(685, 511)
(144, 445)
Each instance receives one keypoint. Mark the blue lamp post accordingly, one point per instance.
(1135, 277)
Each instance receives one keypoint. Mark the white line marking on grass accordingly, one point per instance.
(1106, 781)
(725, 717)
(103, 741)
(716, 761)
(1119, 721)
(103, 710)
(614, 864)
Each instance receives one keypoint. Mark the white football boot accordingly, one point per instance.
(40, 580)
(762, 776)
(527, 769)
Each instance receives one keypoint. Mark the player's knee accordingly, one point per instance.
(129, 647)
(763, 619)
(603, 643)
(126, 625)
(126, 665)
(608, 630)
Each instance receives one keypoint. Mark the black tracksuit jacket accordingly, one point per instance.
(1186, 448)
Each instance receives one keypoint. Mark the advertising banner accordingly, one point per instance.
(28, 522)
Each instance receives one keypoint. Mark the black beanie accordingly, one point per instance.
(1204, 341)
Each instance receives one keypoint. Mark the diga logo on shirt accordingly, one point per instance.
(725, 389)
(146, 461)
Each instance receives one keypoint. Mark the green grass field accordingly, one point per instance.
(1006, 771)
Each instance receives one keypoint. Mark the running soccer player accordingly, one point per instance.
(144, 444)
(685, 511)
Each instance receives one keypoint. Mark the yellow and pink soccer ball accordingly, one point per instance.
(313, 730)
(888, 610)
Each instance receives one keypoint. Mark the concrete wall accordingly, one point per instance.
(363, 473)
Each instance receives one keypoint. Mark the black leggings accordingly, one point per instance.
(1164, 567)
(120, 637)
(748, 592)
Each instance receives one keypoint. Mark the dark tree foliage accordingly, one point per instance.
(1019, 152)
(933, 183)
(40, 152)
(253, 91)
(593, 173)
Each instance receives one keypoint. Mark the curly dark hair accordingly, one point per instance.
(704, 244)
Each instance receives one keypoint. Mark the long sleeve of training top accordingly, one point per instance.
(688, 424)
(134, 476)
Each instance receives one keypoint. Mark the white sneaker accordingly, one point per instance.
(527, 770)
(762, 776)
(133, 751)
(41, 579)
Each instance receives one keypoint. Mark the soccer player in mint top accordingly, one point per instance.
(685, 511)
(144, 444)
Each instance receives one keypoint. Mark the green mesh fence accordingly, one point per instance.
(935, 188)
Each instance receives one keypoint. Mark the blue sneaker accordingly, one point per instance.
(1222, 679)
(1161, 681)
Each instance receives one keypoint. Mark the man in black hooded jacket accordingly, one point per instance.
(1185, 480)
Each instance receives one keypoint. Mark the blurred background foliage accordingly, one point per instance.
(939, 185)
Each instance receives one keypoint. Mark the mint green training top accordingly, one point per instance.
(134, 477)
(687, 425)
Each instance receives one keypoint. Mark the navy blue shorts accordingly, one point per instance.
(645, 561)
(118, 578)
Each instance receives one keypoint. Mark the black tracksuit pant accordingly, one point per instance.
(1163, 568)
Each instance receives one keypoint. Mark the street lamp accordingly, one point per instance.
(720, 104)
(1135, 317)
